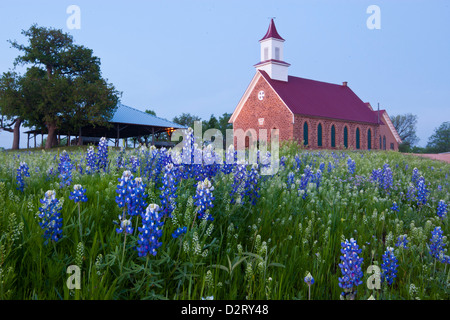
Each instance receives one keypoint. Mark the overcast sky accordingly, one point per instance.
(198, 56)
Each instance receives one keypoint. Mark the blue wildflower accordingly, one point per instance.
(22, 172)
(203, 199)
(395, 207)
(179, 232)
(437, 245)
(351, 165)
(78, 194)
(50, 215)
(350, 267)
(389, 266)
(169, 189)
(251, 186)
(442, 209)
(309, 280)
(125, 200)
(402, 241)
(102, 156)
(65, 168)
(150, 232)
(421, 192)
(91, 161)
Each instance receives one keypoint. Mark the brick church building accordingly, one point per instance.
(317, 114)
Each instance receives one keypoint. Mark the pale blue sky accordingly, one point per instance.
(198, 56)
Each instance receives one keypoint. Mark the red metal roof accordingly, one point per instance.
(321, 99)
(272, 32)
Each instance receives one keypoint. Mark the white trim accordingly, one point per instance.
(244, 98)
(246, 95)
(391, 127)
(279, 98)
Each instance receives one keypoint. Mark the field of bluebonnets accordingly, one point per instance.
(140, 225)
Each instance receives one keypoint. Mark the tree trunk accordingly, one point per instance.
(51, 137)
(16, 139)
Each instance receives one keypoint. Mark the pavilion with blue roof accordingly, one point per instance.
(126, 123)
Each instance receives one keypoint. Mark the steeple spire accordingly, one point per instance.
(272, 32)
(272, 55)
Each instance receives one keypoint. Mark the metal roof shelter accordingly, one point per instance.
(126, 123)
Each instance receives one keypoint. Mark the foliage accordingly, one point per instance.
(440, 140)
(63, 82)
(250, 251)
(405, 124)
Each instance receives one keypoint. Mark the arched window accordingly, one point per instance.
(357, 139)
(319, 135)
(384, 142)
(333, 136)
(305, 134)
(369, 139)
(381, 144)
(345, 137)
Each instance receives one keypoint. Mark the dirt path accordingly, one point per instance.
(442, 156)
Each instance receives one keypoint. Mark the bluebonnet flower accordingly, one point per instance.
(150, 232)
(283, 161)
(78, 194)
(91, 161)
(50, 215)
(421, 192)
(290, 179)
(330, 166)
(395, 207)
(307, 177)
(237, 187)
(383, 177)
(437, 245)
(138, 196)
(350, 267)
(298, 162)
(351, 165)
(169, 189)
(442, 209)
(415, 175)
(203, 199)
(65, 168)
(102, 156)
(389, 266)
(179, 232)
(251, 184)
(125, 200)
(402, 241)
(134, 161)
(318, 178)
(22, 172)
(230, 160)
(120, 160)
(309, 280)
(322, 167)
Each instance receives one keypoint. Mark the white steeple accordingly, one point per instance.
(272, 55)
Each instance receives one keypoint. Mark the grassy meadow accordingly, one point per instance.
(249, 251)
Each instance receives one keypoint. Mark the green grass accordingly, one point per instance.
(248, 252)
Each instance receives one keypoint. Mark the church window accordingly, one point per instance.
(333, 136)
(305, 134)
(345, 137)
(358, 146)
(319, 135)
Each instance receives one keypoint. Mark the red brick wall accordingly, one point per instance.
(271, 108)
(386, 132)
(313, 124)
(277, 115)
